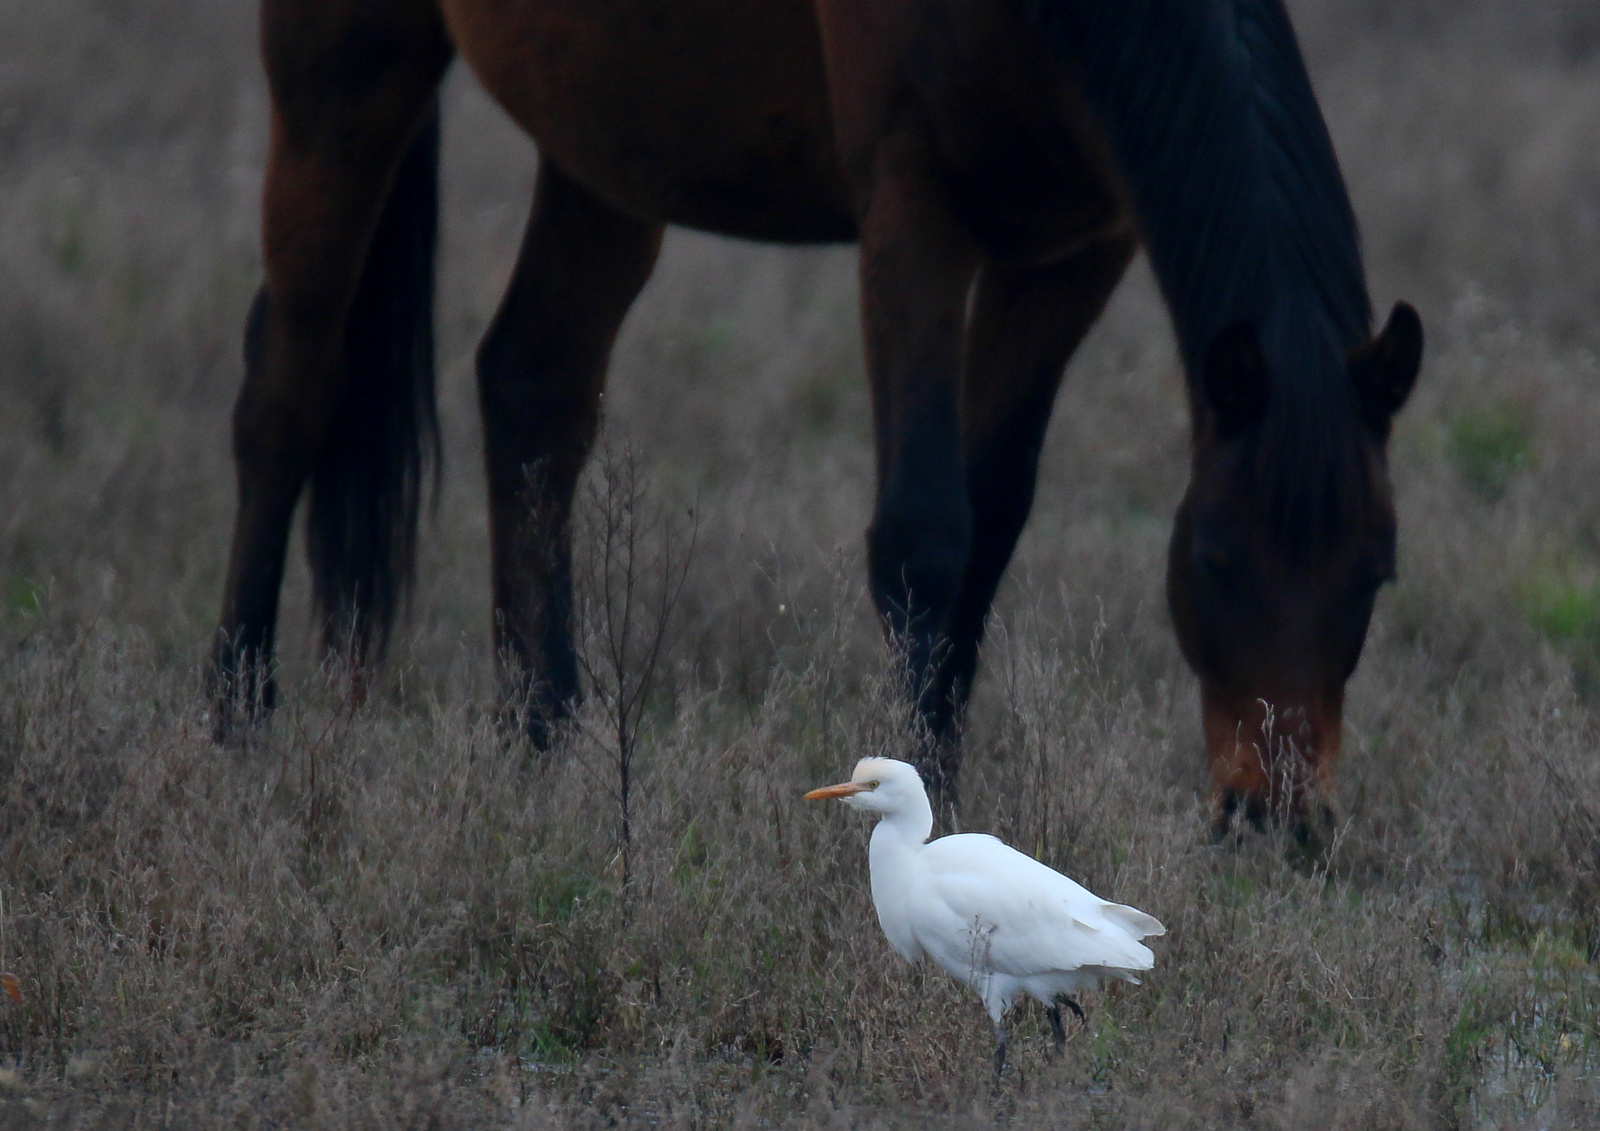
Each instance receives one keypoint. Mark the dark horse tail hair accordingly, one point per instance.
(368, 484)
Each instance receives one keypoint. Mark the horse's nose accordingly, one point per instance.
(1268, 753)
(1292, 723)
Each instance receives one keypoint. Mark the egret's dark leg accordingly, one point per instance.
(1057, 1029)
(999, 1051)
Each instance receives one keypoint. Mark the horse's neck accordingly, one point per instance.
(1213, 125)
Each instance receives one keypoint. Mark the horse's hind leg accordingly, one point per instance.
(349, 83)
(1026, 323)
(541, 370)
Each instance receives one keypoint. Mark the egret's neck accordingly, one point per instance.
(895, 856)
(910, 826)
(897, 839)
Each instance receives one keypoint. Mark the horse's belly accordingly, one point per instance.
(709, 113)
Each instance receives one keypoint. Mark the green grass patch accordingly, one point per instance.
(1562, 605)
(1489, 446)
(554, 896)
(1464, 1047)
(23, 595)
(68, 243)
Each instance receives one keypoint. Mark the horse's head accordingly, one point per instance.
(1278, 550)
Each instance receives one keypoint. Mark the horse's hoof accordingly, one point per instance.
(242, 694)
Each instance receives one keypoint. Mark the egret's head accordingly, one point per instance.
(879, 785)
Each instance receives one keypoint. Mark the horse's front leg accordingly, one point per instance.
(1026, 322)
(917, 266)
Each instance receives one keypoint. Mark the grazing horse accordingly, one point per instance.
(998, 161)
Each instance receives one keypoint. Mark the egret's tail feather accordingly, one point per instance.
(1137, 921)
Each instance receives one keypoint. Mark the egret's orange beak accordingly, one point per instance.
(843, 789)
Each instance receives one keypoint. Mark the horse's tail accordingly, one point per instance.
(367, 487)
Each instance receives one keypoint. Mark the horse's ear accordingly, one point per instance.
(1236, 382)
(1385, 369)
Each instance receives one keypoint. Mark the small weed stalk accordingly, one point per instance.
(8, 981)
(631, 562)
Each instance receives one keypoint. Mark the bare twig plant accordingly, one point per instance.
(630, 560)
(8, 981)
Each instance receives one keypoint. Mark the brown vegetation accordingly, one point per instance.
(383, 916)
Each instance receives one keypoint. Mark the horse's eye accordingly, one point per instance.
(1364, 586)
(1370, 580)
(1216, 562)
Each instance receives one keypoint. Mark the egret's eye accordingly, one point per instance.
(872, 785)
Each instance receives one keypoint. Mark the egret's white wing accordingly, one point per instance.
(980, 904)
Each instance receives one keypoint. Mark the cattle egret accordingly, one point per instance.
(997, 920)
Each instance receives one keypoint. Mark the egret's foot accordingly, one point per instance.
(999, 1053)
(1057, 1029)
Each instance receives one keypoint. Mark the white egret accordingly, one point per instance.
(995, 919)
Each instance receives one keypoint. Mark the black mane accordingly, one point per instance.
(1211, 119)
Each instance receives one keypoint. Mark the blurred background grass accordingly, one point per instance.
(387, 918)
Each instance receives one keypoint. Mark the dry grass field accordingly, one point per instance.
(385, 917)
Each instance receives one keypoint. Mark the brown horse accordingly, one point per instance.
(999, 162)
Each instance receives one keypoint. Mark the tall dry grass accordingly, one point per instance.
(384, 916)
